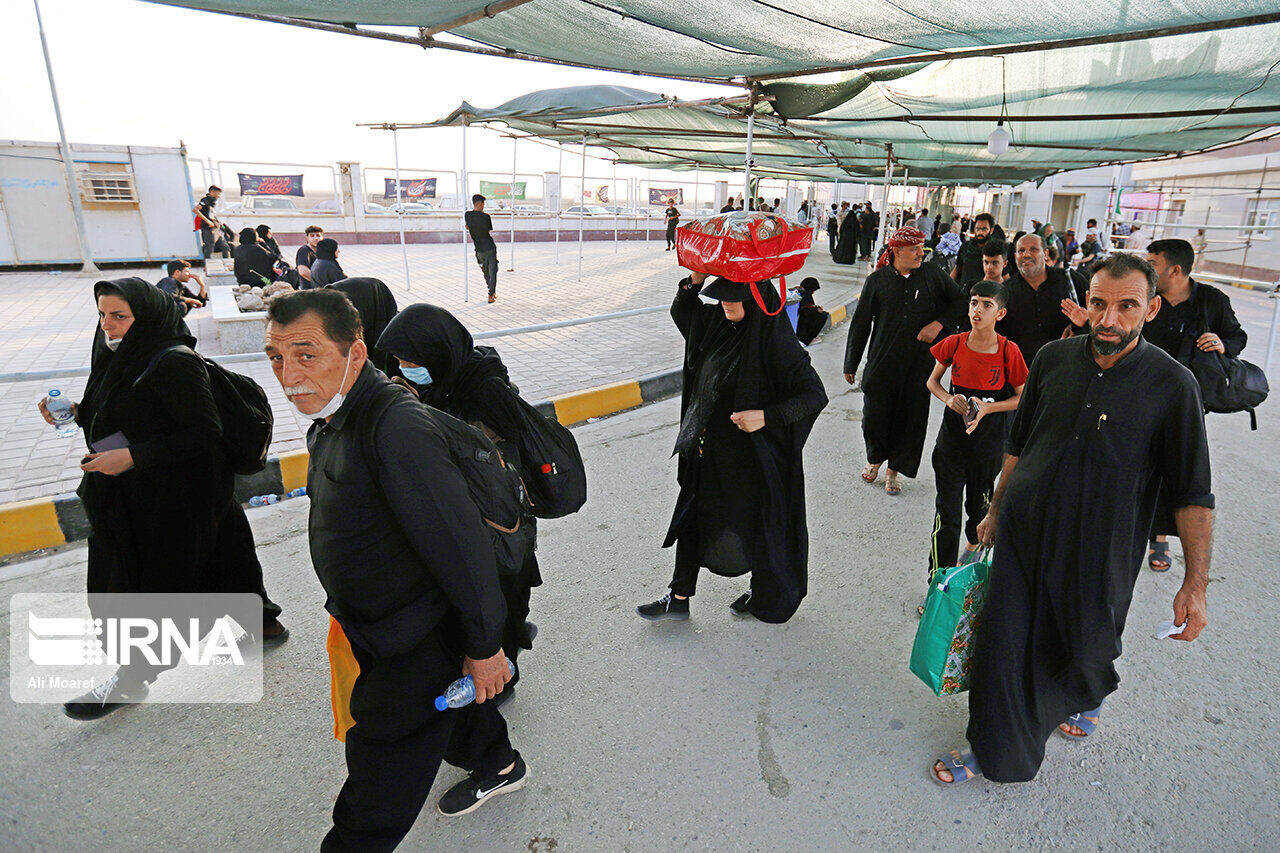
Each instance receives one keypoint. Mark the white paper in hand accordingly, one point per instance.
(1167, 629)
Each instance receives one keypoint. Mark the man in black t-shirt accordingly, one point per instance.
(969, 259)
(207, 221)
(175, 284)
(479, 224)
(306, 256)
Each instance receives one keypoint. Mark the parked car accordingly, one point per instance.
(372, 208)
(410, 208)
(587, 210)
(266, 204)
(329, 205)
(530, 209)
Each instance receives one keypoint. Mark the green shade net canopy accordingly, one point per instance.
(844, 79)
(647, 129)
(743, 38)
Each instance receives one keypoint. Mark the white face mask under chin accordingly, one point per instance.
(335, 402)
(113, 344)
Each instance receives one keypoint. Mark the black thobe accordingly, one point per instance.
(847, 243)
(1033, 316)
(895, 402)
(472, 384)
(1175, 329)
(1092, 446)
(762, 527)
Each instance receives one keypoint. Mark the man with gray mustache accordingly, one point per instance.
(405, 560)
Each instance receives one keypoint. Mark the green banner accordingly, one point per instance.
(494, 189)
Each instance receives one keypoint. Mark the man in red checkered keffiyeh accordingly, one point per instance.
(902, 237)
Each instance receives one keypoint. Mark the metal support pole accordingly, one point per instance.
(395, 147)
(466, 200)
(1275, 324)
(648, 185)
(582, 207)
(613, 192)
(884, 212)
(751, 134)
(513, 205)
(73, 190)
(555, 214)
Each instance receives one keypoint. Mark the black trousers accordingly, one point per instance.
(211, 241)
(965, 471)
(399, 739)
(671, 236)
(894, 423)
(684, 580)
(865, 245)
(832, 238)
(488, 261)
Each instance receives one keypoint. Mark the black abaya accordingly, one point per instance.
(847, 244)
(1092, 447)
(741, 504)
(174, 433)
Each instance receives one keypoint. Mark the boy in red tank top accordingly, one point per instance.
(987, 375)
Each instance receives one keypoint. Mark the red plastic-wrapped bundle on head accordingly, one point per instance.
(744, 246)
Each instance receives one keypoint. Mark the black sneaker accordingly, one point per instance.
(108, 696)
(741, 604)
(667, 607)
(477, 789)
(274, 634)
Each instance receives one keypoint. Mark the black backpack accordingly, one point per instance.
(494, 484)
(247, 419)
(553, 469)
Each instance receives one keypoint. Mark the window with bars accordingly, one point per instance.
(108, 188)
(1261, 212)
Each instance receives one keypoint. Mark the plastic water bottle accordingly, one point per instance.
(264, 500)
(463, 691)
(60, 410)
(300, 492)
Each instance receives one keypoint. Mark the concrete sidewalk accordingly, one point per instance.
(715, 734)
(48, 321)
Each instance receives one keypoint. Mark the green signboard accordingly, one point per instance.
(494, 189)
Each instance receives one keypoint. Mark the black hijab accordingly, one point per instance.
(431, 337)
(327, 249)
(157, 325)
(377, 306)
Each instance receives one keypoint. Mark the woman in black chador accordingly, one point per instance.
(750, 399)
(158, 492)
(435, 352)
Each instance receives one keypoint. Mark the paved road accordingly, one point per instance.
(47, 321)
(713, 734)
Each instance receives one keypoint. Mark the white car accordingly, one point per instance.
(372, 208)
(587, 210)
(410, 208)
(266, 204)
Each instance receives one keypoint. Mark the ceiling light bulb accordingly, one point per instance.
(998, 141)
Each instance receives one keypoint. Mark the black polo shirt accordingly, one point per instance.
(1034, 316)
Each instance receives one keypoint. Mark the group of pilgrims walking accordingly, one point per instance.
(1054, 399)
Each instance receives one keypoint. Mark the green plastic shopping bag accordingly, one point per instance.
(952, 612)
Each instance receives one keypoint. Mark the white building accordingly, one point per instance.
(137, 204)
